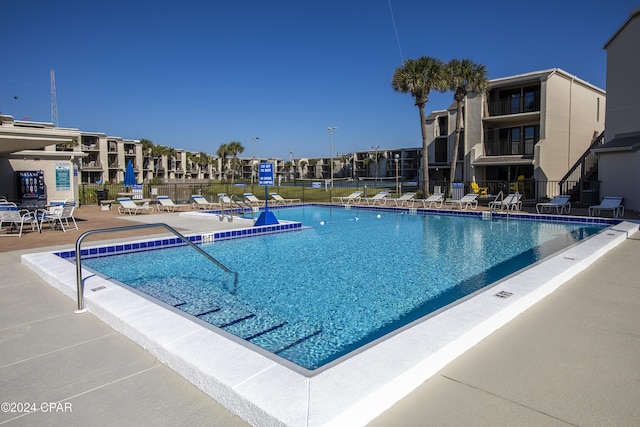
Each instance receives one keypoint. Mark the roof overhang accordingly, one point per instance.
(40, 154)
(621, 142)
(14, 139)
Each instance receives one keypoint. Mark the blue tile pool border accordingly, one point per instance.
(153, 244)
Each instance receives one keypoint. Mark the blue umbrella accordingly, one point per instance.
(130, 175)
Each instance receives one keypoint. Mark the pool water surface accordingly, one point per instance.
(355, 275)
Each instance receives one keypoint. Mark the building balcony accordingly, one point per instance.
(505, 147)
(507, 107)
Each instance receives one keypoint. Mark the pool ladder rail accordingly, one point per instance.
(231, 202)
(80, 283)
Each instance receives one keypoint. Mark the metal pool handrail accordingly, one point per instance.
(80, 285)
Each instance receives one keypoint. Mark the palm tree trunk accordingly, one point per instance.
(425, 152)
(454, 158)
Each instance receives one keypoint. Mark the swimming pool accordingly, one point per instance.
(356, 275)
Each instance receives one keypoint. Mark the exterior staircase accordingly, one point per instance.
(585, 168)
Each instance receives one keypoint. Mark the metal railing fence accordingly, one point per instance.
(320, 191)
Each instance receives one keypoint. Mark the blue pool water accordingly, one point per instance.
(314, 295)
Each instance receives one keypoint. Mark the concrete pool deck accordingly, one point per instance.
(554, 372)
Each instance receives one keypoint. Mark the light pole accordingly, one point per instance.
(331, 129)
(396, 157)
(253, 162)
(376, 147)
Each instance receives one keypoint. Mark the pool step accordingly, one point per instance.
(283, 338)
(227, 316)
(161, 295)
(255, 326)
(201, 308)
(223, 310)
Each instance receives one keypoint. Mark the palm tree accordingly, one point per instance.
(463, 76)
(419, 77)
(235, 148)
(223, 152)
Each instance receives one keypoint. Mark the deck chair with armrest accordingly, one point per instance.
(14, 219)
(278, 199)
(63, 217)
(435, 200)
(166, 204)
(467, 201)
(351, 198)
(380, 199)
(613, 204)
(511, 202)
(128, 206)
(560, 203)
(253, 201)
(407, 199)
(199, 202)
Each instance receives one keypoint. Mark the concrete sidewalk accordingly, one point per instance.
(569, 360)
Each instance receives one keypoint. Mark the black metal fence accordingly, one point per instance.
(582, 193)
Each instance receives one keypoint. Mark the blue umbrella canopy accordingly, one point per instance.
(129, 175)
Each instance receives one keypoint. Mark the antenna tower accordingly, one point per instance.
(54, 103)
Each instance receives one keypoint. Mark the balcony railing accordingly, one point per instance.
(505, 147)
(505, 107)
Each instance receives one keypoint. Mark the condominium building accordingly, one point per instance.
(535, 125)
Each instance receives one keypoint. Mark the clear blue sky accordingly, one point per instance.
(196, 74)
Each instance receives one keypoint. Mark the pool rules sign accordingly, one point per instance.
(265, 174)
(265, 179)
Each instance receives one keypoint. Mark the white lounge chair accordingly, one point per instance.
(468, 200)
(511, 202)
(13, 218)
(380, 199)
(62, 215)
(613, 204)
(199, 202)
(436, 199)
(405, 199)
(128, 206)
(166, 204)
(351, 198)
(278, 199)
(560, 203)
(253, 201)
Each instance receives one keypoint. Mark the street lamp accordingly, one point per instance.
(377, 147)
(396, 157)
(331, 129)
(253, 162)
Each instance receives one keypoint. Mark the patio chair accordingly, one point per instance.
(511, 202)
(380, 198)
(14, 219)
(613, 204)
(128, 206)
(253, 201)
(199, 202)
(351, 198)
(480, 191)
(468, 200)
(166, 204)
(405, 199)
(436, 200)
(62, 215)
(560, 203)
(278, 199)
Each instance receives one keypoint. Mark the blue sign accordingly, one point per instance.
(265, 174)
